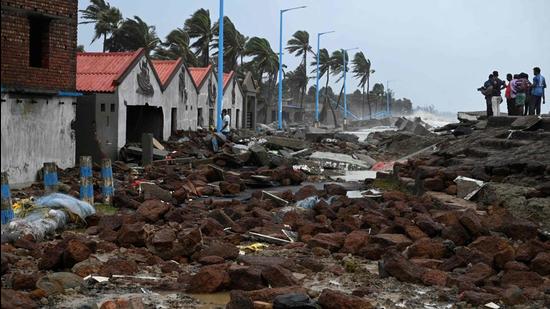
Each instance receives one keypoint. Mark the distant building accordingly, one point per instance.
(38, 86)
(250, 91)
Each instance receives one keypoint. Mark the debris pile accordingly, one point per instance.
(260, 219)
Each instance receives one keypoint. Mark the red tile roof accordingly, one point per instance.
(99, 72)
(198, 75)
(226, 78)
(166, 69)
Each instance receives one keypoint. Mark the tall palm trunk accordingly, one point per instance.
(303, 90)
(104, 41)
(363, 103)
(368, 102)
(328, 102)
(206, 55)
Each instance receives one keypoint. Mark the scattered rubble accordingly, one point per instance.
(261, 224)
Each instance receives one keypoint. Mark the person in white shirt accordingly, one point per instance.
(226, 122)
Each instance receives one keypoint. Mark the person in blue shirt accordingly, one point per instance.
(537, 92)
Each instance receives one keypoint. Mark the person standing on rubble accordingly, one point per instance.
(520, 87)
(510, 104)
(487, 91)
(226, 123)
(496, 98)
(537, 92)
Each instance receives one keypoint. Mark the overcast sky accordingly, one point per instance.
(434, 52)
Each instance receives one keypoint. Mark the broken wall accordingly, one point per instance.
(34, 133)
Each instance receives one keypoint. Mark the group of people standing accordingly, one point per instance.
(522, 96)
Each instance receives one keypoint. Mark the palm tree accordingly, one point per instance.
(234, 44)
(337, 67)
(199, 27)
(325, 65)
(106, 19)
(133, 34)
(362, 71)
(299, 45)
(176, 45)
(264, 60)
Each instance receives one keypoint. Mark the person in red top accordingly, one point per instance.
(508, 94)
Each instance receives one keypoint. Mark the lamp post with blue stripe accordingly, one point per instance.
(219, 103)
(345, 63)
(280, 102)
(317, 79)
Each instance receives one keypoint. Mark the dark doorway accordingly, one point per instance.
(237, 118)
(199, 118)
(211, 117)
(174, 120)
(143, 119)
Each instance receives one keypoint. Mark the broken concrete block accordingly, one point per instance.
(467, 187)
(338, 161)
(277, 142)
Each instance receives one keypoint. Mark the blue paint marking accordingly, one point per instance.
(6, 191)
(107, 172)
(90, 190)
(108, 191)
(85, 171)
(69, 94)
(7, 215)
(50, 179)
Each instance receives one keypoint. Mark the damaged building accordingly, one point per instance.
(38, 86)
(127, 94)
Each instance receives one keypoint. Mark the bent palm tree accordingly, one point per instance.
(362, 71)
(133, 34)
(325, 65)
(234, 43)
(299, 46)
(198, 26)
(265, 60)
(176, 45)
(106, 19)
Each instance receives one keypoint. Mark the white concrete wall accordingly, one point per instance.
(128, 95)
(186, 110)
(238, 104)
(202, 99)
(34, 133)
(107, 123)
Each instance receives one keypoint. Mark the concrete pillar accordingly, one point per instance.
(146, 149)
(86, 180)
(107, 186)
(50, 177)
(7, 210)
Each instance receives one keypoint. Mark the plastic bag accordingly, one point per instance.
(47, 215)
(63, 201)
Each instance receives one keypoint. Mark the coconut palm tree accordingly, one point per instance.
(362, 71)
(133, 34)
(234, 44)
(337, 66)
(264, 60)
(299, 46)
(325, 66)
(176, 45)
(106, 19)
(199, 27)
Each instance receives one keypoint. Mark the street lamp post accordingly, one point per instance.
(280, 103)
(219, 102)
(345, 69)
(317, 79)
